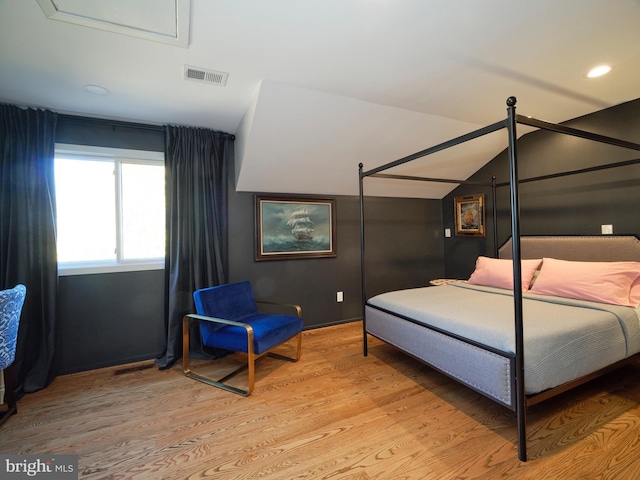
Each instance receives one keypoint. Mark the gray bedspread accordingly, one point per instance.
(564, 339)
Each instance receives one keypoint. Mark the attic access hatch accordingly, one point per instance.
(164, 21)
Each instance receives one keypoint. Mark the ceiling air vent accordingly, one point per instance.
(203, 75)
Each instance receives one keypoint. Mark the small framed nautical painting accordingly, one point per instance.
(470, 219)
(290, 227)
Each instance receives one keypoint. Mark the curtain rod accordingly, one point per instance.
(125, 124)
(109, 122)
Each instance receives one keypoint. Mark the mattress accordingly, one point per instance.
(564, 339)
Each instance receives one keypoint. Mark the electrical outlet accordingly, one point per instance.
(607, 229)
(339, 297)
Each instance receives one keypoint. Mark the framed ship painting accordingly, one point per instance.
(290, 227)
(469, 215)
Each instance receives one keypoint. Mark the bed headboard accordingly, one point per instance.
(605, 248)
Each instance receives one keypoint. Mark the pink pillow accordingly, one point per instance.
(493, 272)
(616, 283)
(634, 294)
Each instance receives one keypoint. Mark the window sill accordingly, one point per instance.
(79, 269)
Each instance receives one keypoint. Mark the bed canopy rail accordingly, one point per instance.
(533, 122)
(510, 124)
(437, 148)
(568, 173)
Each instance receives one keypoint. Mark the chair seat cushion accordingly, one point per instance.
(268, 330)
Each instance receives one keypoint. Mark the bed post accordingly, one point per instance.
(521, 401)
(365, 346)
(495, 217)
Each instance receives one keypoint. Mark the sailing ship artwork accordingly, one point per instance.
(301, 224)
(294, 228)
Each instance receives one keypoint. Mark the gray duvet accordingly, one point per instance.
(564, 339)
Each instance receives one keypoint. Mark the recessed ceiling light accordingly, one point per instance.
(598, 71)
(96, 90)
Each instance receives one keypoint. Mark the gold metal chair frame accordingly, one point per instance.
(251, 356)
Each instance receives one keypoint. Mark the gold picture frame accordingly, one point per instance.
(470, 215)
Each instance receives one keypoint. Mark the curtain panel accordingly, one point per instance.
(28, 238)
(197, 163)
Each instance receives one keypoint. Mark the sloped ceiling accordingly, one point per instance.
(316, 87)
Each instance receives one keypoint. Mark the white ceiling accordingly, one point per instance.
(317, 86)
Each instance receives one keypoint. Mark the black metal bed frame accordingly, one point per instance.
(510, 124)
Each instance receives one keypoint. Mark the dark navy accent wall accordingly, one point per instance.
(109, 319)
(404, 249)
(573, 205)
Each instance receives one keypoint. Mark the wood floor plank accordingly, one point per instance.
(335, 414)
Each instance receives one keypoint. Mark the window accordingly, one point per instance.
(110, 209)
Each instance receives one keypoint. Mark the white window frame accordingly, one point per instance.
(84, 152)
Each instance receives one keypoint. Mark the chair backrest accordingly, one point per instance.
(11, 302)
(232, 301)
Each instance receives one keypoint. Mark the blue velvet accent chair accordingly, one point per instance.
(230, 320)
(11, 302)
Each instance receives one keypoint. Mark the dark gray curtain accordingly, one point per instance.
(27, 237)
(197, 162)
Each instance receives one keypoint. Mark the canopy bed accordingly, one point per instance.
(473, 331)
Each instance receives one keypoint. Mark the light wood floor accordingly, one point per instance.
(334, 415)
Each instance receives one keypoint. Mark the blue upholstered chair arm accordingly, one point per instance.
(297, 308)
(195, 316)
(185, 328)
